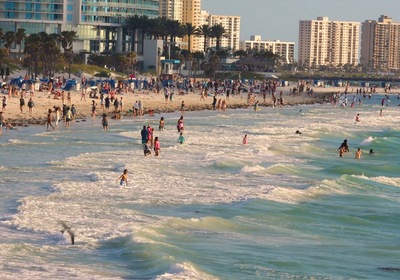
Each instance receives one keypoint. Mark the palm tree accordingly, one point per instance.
(174, 29)
(133, 23)
(217, 32)
(67, 38)
(190, 30)
(205, 31)
(19, 37)
(32, 51)
(9, 39)
(240, 53)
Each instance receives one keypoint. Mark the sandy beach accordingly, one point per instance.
(151, 101)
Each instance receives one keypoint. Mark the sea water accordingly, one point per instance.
(284, 206)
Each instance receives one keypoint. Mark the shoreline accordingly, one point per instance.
(152, 101)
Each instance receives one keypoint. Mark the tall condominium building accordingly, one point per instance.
(231, 24)
(191, 14)
(324, 42)
(171, 9)
(380, 44)
(284, 49)
(98, 22)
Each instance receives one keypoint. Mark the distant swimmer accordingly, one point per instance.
(298, 132)
(358, 153)
(371, 152)
(69, 231)
(245, 140)
(357, 119)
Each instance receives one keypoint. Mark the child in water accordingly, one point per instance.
(161, 124)
(123, 178)
(245, 140)
(156, 147)
(146, 148)
(181, 139)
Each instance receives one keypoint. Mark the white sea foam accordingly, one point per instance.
(185, 271)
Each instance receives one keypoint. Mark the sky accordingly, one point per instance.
(279, 19)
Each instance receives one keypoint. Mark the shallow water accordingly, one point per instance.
(284, 206)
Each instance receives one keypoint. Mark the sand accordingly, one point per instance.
(150, 99)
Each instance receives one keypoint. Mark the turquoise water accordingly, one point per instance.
(285, 206)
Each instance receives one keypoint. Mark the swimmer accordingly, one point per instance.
(123, 178)
(245, 140)
(358, 153)
(298, 132)
(357, 119)
(371, 152)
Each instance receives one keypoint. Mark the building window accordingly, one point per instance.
(70, 8)
(69, 17)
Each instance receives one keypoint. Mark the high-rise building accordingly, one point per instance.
(380, 44)
(171, 9)
(324, 42)
(98, 22)
(191, 14)
(284, 49)
(231, 24)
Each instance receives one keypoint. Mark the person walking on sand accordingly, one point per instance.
(123, 179)
(21, 104)
(183, 107)
(30, 106)
(358, 153)
(157, 149)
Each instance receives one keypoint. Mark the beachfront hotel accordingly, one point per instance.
(284, 49)
(380, 44)
(99, 23)
(231, 24)
(185, 11)
(330, 43)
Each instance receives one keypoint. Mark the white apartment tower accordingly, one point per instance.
(171, 9)
(324, 42)
(232, 26)
(284, 49)
(380, 44)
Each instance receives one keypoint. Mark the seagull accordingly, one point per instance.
(69, 231)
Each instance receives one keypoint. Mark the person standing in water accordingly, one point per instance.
(181, 138)
(104, 122)
(358, 153)
(157, 148)
(123, 178)
(344, 148)
(245, 140)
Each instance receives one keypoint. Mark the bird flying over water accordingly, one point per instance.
(67, 229)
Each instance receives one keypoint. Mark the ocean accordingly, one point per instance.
(284, 206)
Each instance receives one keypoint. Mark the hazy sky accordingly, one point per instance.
(279, 19)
